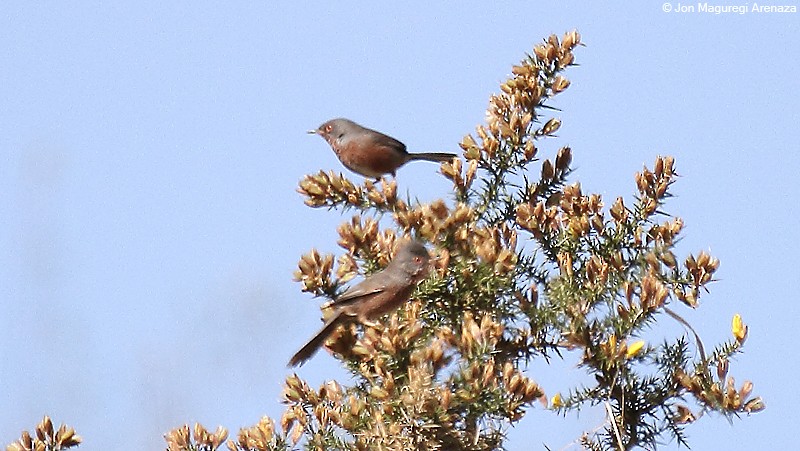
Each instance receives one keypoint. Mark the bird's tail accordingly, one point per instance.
(439, 157)
(308, 350)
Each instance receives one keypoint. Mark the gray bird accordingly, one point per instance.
(368, 152)
(377, 295)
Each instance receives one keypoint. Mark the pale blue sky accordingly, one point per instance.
(151, 151)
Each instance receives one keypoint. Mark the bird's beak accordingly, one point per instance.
(312, 132)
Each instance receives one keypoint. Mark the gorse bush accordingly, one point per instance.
(527, 267)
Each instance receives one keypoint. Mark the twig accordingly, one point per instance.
(614, 423)
(679, 319)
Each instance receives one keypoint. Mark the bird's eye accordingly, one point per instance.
(328, 128)
(418, 259)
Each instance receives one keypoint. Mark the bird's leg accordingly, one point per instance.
(370, 323)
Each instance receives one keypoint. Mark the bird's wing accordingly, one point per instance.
(380, 139)
(355, 294)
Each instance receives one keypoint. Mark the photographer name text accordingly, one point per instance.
(709, 8)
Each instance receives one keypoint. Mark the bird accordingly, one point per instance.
(375, 296)
(368, 152)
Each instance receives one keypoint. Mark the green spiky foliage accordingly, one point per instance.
(527, 267)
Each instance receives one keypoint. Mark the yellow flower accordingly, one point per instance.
(634, 349)
(738, 328)
(555, 402)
